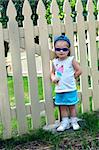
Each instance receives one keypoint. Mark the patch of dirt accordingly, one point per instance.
(66, 144)
(34, 145)
(78, 144)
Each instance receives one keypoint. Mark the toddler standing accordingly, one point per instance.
(65, 69)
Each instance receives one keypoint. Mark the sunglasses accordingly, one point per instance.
(63, 49)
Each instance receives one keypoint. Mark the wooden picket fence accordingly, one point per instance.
(83, 47)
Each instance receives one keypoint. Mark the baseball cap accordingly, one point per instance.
(62, 38)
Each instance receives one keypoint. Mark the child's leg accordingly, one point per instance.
(73, 115)
(64, 111)
(72, 110)
(65, 120)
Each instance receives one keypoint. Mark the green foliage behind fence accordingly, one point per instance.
(33, 3)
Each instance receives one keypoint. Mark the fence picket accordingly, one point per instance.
(55, 18)
(4, 99)
(17, 70)
(93, 54)
(98, 9)
(83, 56)
(32, 73)
(43, 39)
(69, 25)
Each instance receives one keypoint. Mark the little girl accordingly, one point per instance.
(64, 71)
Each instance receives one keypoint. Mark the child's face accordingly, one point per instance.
(62, 49)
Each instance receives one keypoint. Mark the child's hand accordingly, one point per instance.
(55, 79)
(75, 75)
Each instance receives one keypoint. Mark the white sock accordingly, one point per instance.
(73, 119)
(65, 119)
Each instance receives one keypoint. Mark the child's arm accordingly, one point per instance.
(77, 68)
(52, 74)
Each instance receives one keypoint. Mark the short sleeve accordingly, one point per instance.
(72, 57)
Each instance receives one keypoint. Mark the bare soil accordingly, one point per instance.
(34, 145)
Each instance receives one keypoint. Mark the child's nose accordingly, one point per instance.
(61, 50)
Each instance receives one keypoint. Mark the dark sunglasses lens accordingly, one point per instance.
(65, 49)
(59, 49)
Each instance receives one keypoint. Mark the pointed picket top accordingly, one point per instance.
(41, 8)
(27, 9)
(55, 18)
(68, 23)
(79, 8)
(11, 11)
(98, 9)
(54, 8)
(90, 7)
(67, 8)
(27, 15)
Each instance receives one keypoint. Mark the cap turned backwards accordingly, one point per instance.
(62, 38)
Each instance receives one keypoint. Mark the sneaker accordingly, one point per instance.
(65, 124)
(56, 124)
(74, 123)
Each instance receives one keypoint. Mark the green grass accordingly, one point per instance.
(26, 92)
(65, 140)
(26, 98)
(40, 93)
(86, 138)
